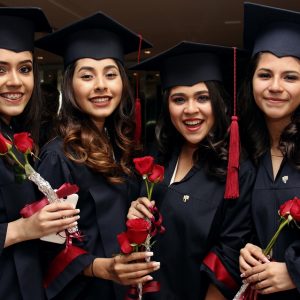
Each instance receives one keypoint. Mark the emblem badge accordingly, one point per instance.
(185, 198)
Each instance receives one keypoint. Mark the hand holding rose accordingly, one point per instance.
(52, 218)
(269, 278)
(129, 269)
(264, 276)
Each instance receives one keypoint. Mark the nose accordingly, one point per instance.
(14, 79)
(100, 84)
(191, 107)
(275, 85)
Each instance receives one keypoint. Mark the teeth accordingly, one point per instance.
(12, 96)
(100, 100)
(193, 123)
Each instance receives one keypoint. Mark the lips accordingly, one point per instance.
(12, 96)
(100, 100)
(193, 122)
(275, 99)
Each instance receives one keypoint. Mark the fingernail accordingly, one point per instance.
(78, 210)
(243, 275)
(149, 277)
(148, 254)
(78, 217)
(266, 260)
(156, 264)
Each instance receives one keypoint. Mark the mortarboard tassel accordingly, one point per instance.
(138, 108)
(138, 120)
(232, 180)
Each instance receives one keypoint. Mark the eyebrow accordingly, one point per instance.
(19, 63)
(88, 68)
(196, 93)
(287, 71)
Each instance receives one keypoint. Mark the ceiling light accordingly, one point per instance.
(232, 22)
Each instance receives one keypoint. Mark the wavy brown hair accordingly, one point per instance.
(85, 144)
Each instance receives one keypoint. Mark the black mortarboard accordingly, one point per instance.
(271, 29)
(188, 63)
(97, 36)
(18, 25)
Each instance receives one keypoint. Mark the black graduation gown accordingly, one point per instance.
(204, 226)
(268, 195)
(20, 269)
(103, 209)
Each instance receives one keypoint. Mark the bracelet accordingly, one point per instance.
(92, 268)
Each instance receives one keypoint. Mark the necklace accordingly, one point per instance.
(276, 155)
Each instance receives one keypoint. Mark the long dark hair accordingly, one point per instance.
(84, 143)
(212, 150)
(254, 132)
(29, 119)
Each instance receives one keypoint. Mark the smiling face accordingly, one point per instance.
(16, 82)
(97, 86)
(191, 112)
(276, 87)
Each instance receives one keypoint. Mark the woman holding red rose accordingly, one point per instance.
(20, 267)
(270, 117)
(204, 232)
(94, 150)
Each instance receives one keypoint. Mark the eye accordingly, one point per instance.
(264, 75)
(178, 100)
(291, 77)
(111, 74)
(25, 69)
(86, 76)
(2, 69)
(203, 98)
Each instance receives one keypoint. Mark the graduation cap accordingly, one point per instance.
(271, 29)
(188, 63)
(18, 25)
(97, 36)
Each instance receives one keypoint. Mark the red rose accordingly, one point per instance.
(295, 209)
(285, 208)
(124, 243)
(137, 230)
(23, 142)
(144, 164)
(5, 144)
(157, 174)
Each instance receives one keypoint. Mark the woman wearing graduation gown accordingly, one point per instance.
(94, 149)
(20, 267)
(270, 120)
(204, 232)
